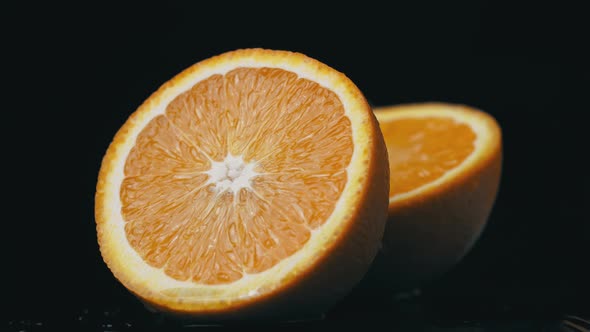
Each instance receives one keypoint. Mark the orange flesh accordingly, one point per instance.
(296, 133)
(421, 150)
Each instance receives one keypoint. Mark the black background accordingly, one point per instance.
(76, 73)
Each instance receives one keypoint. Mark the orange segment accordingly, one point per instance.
(245, 182)
(422, 150)
(445, 163)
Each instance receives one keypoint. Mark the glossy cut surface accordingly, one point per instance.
(235, 175)
(422, 150)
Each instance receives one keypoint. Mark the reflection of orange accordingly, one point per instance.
(252, 182)
(445, 163)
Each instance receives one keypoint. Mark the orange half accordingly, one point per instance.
(243, 184)
(445, 163)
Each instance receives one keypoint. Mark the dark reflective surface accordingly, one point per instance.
(415, 310)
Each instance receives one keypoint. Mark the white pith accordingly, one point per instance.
(231, 174)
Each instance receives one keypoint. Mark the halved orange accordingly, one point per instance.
(445, 164)
(254, 183)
